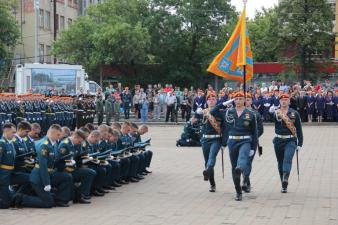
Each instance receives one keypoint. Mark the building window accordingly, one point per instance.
(41, 53)
(41, 18)
(70, 21)
(47, 20)
(57, 22)
(48, 54)
(62, 22)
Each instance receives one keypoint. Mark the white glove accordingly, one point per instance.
(229, 102)
(298, 148)
(272, 109)
(252, 152)
(70, 162)
(29, 161)
(47, 188)
(78, 184)
(87, 159)
(10, 188)
(266, 104)
(199, 111)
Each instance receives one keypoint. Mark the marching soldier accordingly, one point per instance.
(242, 140)
(211, 138)
(289, 137)
(246, 187)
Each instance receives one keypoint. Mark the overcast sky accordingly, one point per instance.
(253, 5)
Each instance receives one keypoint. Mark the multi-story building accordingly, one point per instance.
(66, 13)
(84, 4)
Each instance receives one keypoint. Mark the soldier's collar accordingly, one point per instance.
(18, 137)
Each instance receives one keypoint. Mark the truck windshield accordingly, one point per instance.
(57, 81)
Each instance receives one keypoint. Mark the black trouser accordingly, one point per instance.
(61, 181)
(126, 111)
(170, 111)
(187, 111)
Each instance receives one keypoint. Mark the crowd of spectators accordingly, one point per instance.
(314, 102)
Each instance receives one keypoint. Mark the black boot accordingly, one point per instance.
(236, 174)
(206, 175)
(212, 179)
(238, 197)
(285, 182)
(246, 184)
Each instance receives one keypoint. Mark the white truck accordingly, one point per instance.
(60, 78)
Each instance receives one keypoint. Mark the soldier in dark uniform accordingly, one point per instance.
(191, 134)
(33, 135)
(90, 148)
(7, 159)
(146, 155)
(289, 138)
(242, 130)
(45, 179)
(109, 108)
(116, 164)
(246, 187)
(213, 121)
(103, 147)
(25, 159)
(99, 108)
(82, 177)
(124, 142)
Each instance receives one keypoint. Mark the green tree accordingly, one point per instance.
(111, 33)
(9, 34)
(264, 35)
(187, 34)
(306, 28)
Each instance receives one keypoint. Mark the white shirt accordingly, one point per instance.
(170, 100)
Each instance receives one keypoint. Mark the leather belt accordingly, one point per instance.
(49, 169)
(6, 167)
(284, 136)
(69, 169)
(211, 136)
(239, 137)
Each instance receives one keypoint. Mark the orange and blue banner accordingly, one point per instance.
(230, 62)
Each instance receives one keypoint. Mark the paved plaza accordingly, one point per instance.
(176, 194)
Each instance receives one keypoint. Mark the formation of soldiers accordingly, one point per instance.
(37, 108)
(236, 125)
(65, 166)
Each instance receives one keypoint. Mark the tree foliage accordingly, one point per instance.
(9, 33)
(306, 28)
(112, 32)
(264, 35)
(175, 40)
